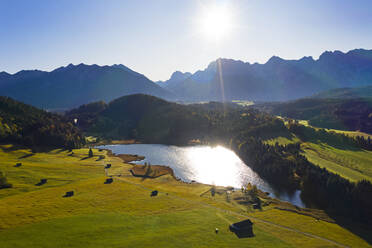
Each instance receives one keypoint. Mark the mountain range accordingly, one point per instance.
(74, 85)
(224, 79)
(276, 80)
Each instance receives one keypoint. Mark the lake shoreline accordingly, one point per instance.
(129, 158)
(155, 171)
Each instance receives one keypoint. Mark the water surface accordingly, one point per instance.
(204, 164)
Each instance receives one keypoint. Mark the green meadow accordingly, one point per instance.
(122, 214)
(350, 162)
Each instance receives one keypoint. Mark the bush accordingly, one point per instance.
(3, 182)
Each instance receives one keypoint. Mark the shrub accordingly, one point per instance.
(3, 182)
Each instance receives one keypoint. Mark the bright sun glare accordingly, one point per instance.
(216, 21)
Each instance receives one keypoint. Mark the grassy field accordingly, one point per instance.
(122, 214)
(348, 133)
(283, 140)
(351, 163)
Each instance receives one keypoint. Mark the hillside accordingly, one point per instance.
(23, 124)
(343, 114)
(74, 85)
(153, 120)
(346, 93)
(276, 80)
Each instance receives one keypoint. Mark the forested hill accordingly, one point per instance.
(153, 120)
(23, 124)
(73, 85)
(346, 93)
(344, 114)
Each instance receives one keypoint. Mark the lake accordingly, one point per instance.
(204, 164)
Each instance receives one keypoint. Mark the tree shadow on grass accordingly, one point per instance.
(361, 230)
(27, 155)
(242, 234)
(100, 158)
(61, 150)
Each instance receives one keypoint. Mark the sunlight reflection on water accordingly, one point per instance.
(210, 165)
(219, 166)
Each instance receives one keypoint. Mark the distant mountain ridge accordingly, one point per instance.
(224, 79)
(175, 78)
(74, 85)
(276, 80)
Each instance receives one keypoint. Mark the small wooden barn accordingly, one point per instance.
(242, 229)
(42, 181)
(154, 193)
(69, 194)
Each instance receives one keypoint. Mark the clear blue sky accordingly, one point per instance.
(157, 37)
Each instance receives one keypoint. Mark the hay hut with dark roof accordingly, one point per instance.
(242, 229)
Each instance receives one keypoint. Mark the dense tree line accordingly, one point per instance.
(284, 165)
(153, 120)
(365, 143)
(86, 114)
(24, 124)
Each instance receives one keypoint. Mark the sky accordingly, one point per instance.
(158, 37)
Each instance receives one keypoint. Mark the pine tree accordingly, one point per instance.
(90, 153)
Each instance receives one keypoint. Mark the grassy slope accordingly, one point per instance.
(348, 133)
(283, 140)
(122, 214)
(353, 164)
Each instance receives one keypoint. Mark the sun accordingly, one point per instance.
(216, 22)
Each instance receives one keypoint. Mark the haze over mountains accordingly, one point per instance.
(73, 85)
(276, 80)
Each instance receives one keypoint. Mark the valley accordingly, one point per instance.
(196, 124)
(108, 214)
(284, 154)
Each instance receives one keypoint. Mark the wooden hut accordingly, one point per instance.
(242, 229)
(154, 193)
(69, 194)
(42, 181)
